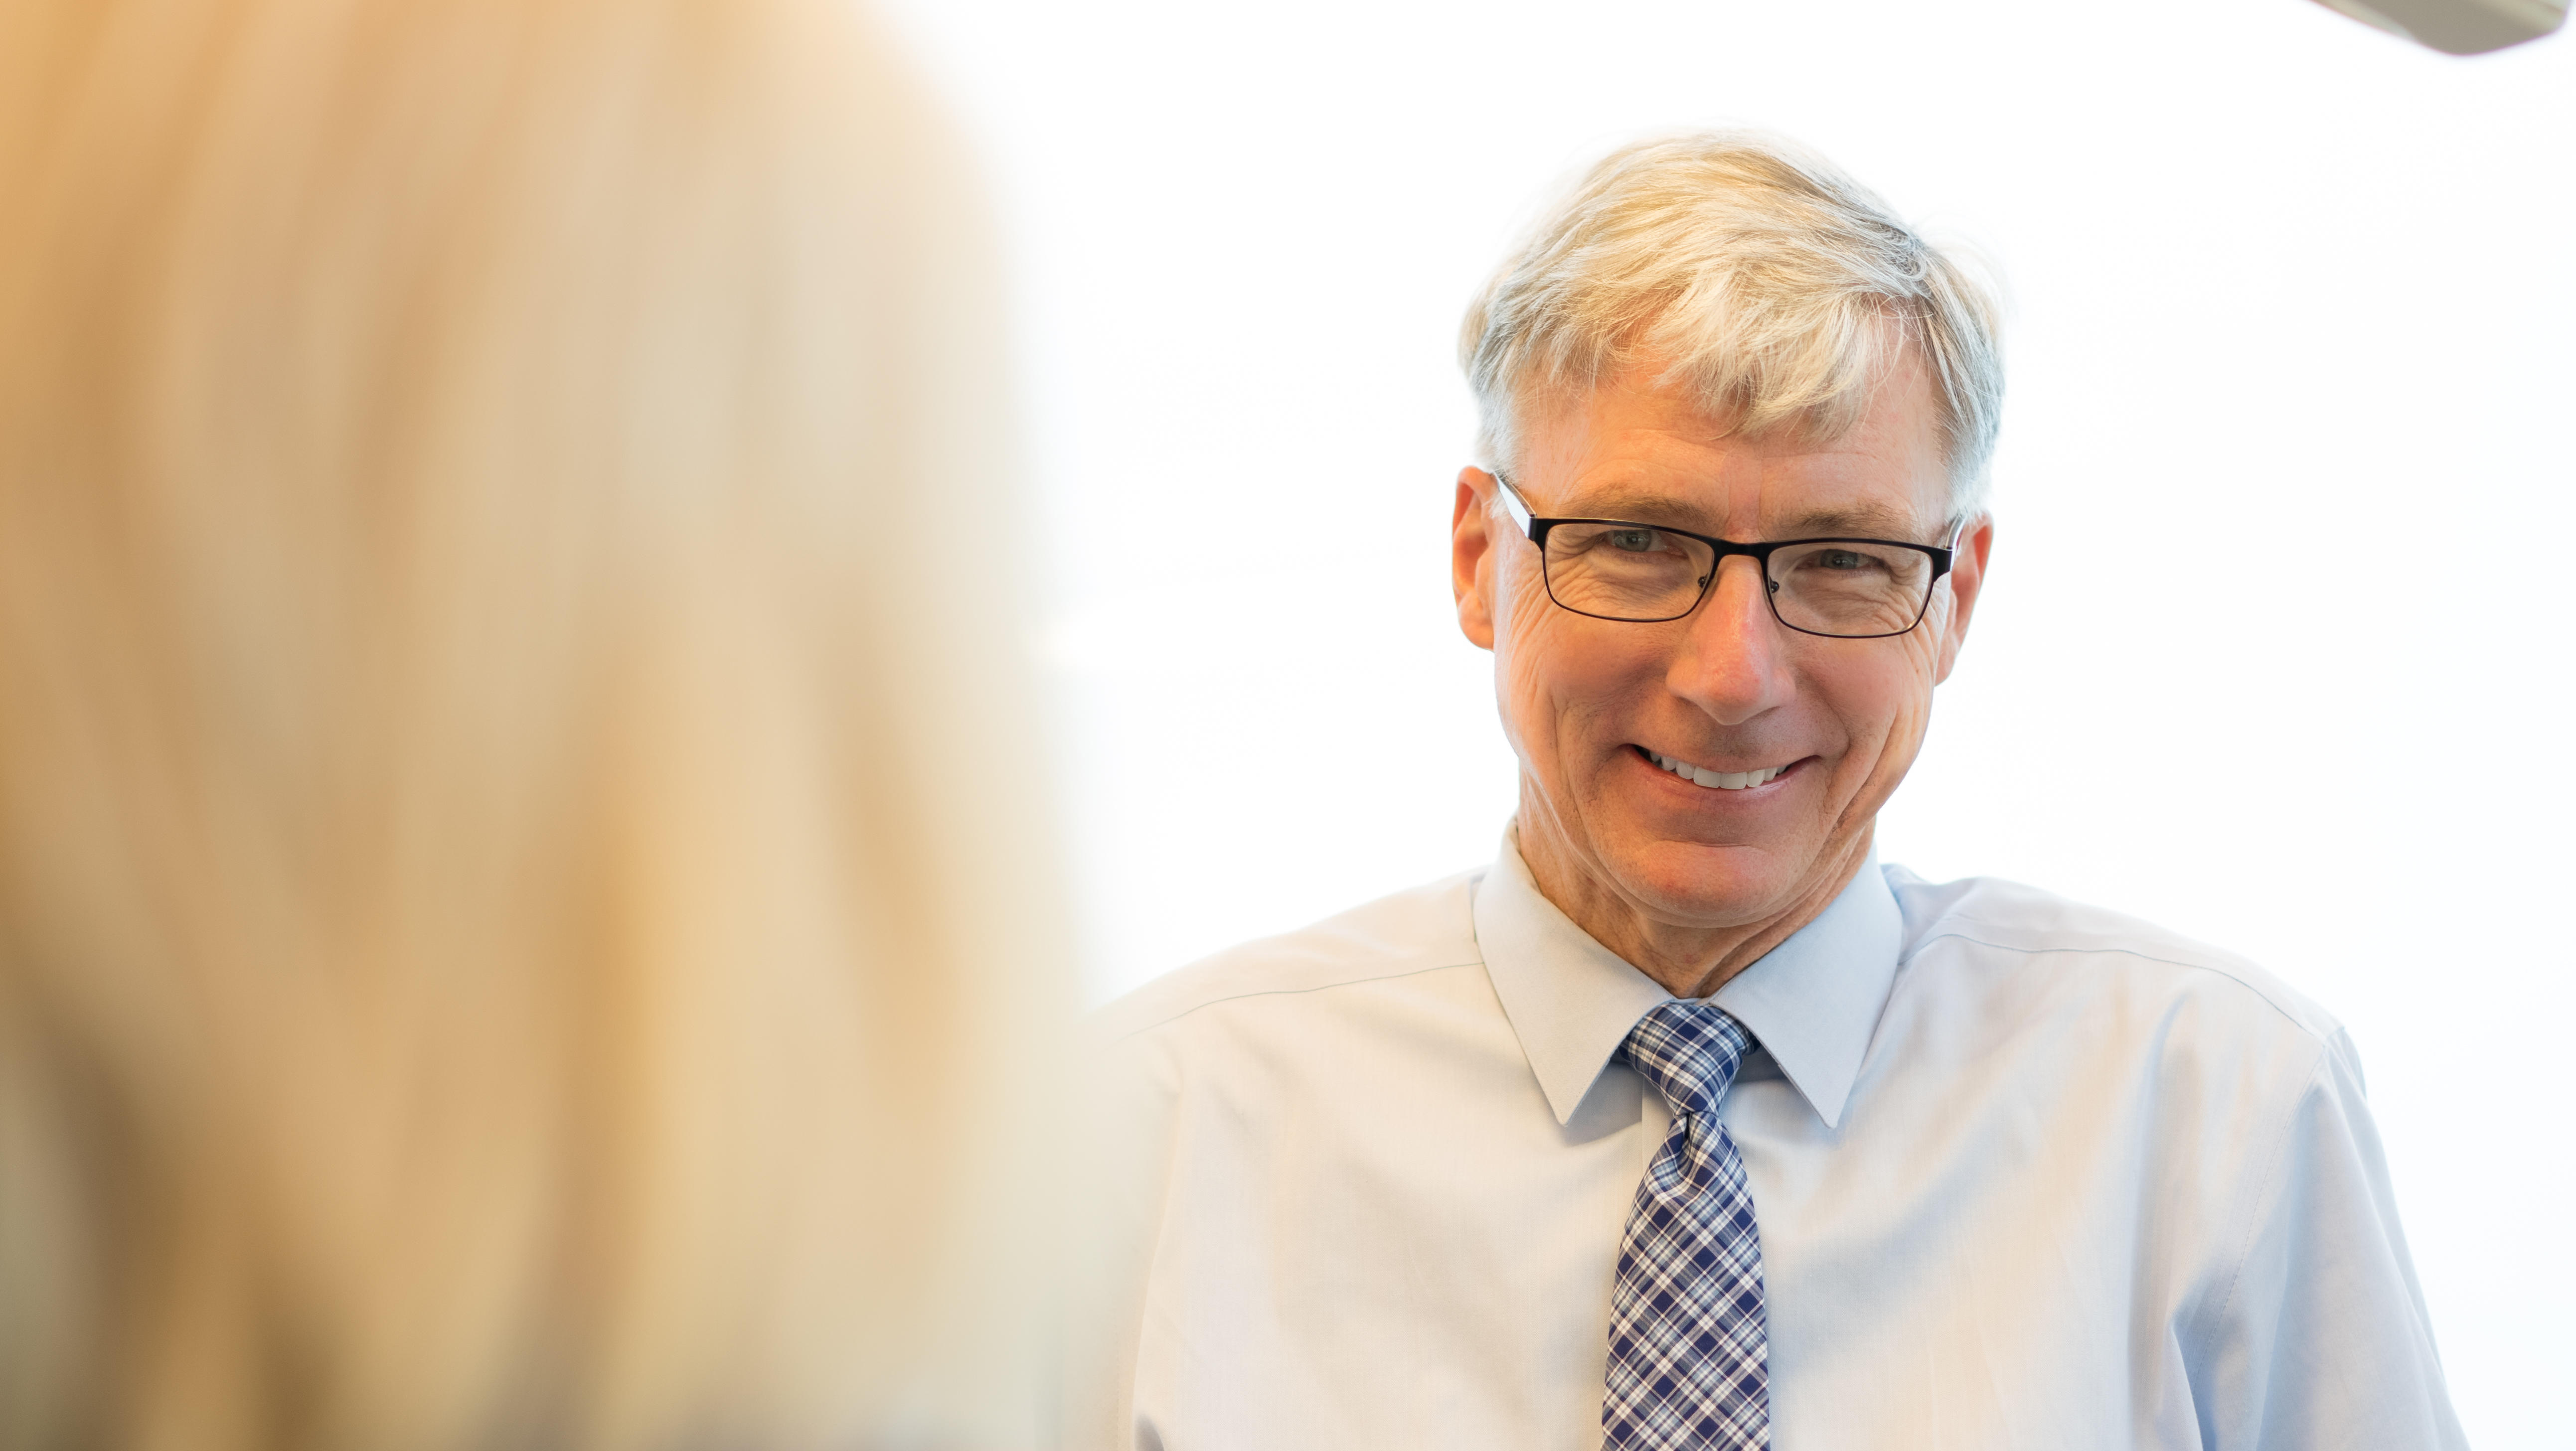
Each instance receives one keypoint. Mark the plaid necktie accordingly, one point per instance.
(1689, 1351)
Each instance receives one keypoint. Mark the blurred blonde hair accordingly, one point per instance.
(522, 916)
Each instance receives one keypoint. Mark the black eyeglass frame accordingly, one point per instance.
(1539, 528)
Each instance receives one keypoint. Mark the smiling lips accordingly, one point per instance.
(1715, 780)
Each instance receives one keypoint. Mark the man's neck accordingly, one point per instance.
(1688, 960)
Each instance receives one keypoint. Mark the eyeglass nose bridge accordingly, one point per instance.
(1728, 549)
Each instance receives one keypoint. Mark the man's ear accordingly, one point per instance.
(1471, 556)
(1967, 579)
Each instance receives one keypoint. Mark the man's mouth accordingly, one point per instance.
(1715, 780)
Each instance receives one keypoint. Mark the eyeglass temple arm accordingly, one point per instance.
(1950, 550)
(1511, 498)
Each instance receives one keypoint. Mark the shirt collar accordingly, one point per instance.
(1812, 1001)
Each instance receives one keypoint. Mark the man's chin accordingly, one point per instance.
(1704, 884)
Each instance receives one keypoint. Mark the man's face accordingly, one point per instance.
(1588, 703)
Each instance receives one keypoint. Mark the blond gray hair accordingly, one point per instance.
(1758, 276)
(509, 933)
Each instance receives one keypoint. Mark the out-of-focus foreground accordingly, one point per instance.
(501, 552)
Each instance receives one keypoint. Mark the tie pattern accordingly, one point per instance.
(1689, 1345)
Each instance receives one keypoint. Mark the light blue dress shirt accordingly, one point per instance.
(2030, 1177)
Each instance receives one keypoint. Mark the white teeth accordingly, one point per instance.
(1718, 780)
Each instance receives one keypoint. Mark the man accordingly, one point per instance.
(1687, 1123)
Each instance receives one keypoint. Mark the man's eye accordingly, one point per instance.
(1632, 541)
(1842, 561)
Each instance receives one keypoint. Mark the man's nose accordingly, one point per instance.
(1730, 663)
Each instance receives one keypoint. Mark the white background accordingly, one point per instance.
(2292, 302)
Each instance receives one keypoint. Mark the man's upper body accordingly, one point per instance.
(2031, 1177)
(2012, 1173)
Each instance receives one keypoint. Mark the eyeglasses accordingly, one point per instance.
(1849, 589)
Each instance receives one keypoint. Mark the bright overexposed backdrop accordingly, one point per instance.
(2277, 645)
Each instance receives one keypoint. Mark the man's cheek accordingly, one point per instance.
(1903, 740)
(1551, 679)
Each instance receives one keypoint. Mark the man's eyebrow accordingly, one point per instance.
(1874, 521)
(1642, 507)
(1869, 521)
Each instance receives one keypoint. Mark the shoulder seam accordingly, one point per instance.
(2266, 998)
(1276, 992)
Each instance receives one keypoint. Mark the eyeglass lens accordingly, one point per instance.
(1826, 586)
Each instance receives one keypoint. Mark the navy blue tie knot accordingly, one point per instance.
(1689, 1050)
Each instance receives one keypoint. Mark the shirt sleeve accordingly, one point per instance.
(2321, 1340)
